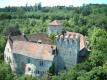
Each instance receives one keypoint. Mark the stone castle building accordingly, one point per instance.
(35, 54)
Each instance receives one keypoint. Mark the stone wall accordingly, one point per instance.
(68, 47)
(8, 55)
(42, 66)
(54, 29)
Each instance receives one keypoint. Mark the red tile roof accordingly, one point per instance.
(55, 23)
(39, 37)
(34, 50)
(16, 38)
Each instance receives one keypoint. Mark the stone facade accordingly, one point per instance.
(67, 51)
(54, 29)
(8, 55)
(30, 66)
(23, 62)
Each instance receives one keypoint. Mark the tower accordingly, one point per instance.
(68, 46)
(55, 27)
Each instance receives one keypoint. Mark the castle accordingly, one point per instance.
(35, 54)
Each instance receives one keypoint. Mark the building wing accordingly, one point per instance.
(34, 50)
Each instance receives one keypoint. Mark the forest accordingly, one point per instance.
(89, 20)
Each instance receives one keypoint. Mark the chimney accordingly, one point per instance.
(23, 34)
(39, 41)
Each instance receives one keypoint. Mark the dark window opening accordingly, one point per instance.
(41, 63)
(28, 60)
(29, 69)
(37, 72)
(53, 52)
(64, 68)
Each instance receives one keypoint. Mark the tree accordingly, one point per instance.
(20, 12)
(96, 37)
(97, 73)
(52, 69)
(5, 16)
(2, 46)
(52, 38)
(24, 77)
(39, 6)
(5, 72)
(96, 58)
(12, 31)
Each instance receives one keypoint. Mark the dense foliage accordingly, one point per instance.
(94, 68)
(89, 20)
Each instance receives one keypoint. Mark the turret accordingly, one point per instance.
(55, 27)
(68, 46)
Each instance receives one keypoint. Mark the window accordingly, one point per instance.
(7, 49)
(64, 68)
(53, 52)
(37, 72)
(23, 66)
(28, 60)
(7, 58)
(29, 69)
(42, 72)
(70, 52)
(10, 60)
(41, 63)
(5, 55)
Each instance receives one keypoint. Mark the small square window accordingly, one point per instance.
(28, 60)
(41, 63)
(37, 72)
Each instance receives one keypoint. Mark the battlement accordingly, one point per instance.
(68, 37)
(68, 41)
